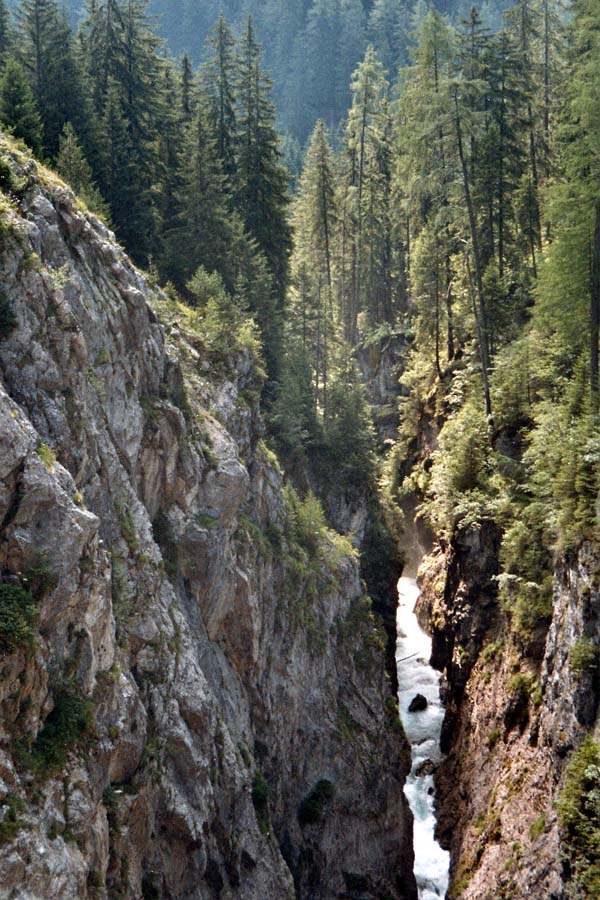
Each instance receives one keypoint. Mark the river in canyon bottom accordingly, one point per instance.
(423, 729)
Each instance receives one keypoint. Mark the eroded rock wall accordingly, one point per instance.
(516, 710)
(139, 504)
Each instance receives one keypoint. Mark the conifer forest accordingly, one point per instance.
(299, 450)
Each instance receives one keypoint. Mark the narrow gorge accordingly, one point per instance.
(194, 701)
(299, 450)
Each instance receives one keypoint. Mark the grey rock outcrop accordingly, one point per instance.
(513, 720)
(226, 676)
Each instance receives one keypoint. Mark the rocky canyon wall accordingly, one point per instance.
(516, 712)
(192, 703)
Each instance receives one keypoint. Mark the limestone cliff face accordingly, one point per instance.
(513, 719)
(236, 741)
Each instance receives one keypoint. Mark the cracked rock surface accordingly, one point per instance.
(221, 681)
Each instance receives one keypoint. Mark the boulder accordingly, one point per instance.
(418, 703)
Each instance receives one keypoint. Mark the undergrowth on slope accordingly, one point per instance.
(18, 614)
(68, 726)
(579, 812)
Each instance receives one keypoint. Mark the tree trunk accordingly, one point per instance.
(486, 380)
(437, 324)
(449, 310)
(361, 174)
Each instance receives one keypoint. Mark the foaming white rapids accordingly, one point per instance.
(423, 729)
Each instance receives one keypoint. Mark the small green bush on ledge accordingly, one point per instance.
(583, 656)
(311, 808)
(260, 799)
(66, 728)
(8, 320)
(17, 617)
(9, 825)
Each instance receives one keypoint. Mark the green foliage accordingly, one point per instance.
(8, 320)
(221, 319)
(305, 521)
(520, 683)
(128, 530)
(348, 728)
(70, 723)
(583, 656)
(10, 807)
(18, 615)
(348, 456)
(526, 582)
(493, 737)
(260, 187)
(537, 828)
(18, 109)
(260, 799)
(293, 416)
(562, 457)
(313, 806)
(47, 456)
(40, 576)
(460, 488)
(579, 814)
(72, 165)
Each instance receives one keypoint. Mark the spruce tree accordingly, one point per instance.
(261, 193)
(36, 22)
(5, 32)
(18, 110)
(387, 32)
(124, 70)
(171, 123)
(72, 165)
(187, 89)
(202, 233)
(218, 79)
(101, 36)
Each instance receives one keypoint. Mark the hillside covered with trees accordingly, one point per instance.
(311, 47)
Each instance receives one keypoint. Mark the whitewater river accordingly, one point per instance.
(415, 676)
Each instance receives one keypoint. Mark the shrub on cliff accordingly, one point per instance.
(305, 523)
(583, 656)
(260, 799)
(223, 321)
(65, 729)
(311, 809)
(461, 492)
(17, 617)
(579, 812)
(8, 320)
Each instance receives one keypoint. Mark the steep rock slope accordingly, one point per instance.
(515, 714)
(195, 705)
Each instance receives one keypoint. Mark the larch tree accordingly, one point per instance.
(314, 222)
(364, 130)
